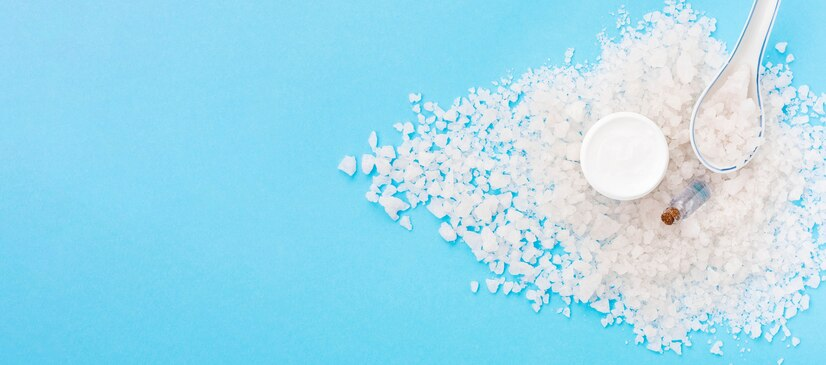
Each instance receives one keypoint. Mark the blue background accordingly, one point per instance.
(169, 192)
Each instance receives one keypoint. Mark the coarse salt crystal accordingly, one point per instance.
(447, 232)
(368, 161)
(405, 222)
(492, 284)
(716, 348)
(348, 165)
(373, 140)
(474, 286)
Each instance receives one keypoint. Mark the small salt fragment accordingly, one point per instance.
(373, 140)
(781, 47)
(492, 284)
(348, 165)
(604, 227)
(414, 97)
(474, 286)
(507, 287)
(716, 348)
(677, 347)
(814, 281)
(386, 152)
(601, 306)
(447, 232)
(392, 206)
(569, 55)
(790, 58)
(405, 222)
(368, 161)
(795, 341)
(780, 361)
(686, 71)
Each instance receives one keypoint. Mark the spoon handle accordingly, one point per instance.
(755, 36)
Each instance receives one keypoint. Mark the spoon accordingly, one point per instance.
(747, 53)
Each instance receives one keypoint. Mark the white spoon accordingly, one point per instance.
(747, 53)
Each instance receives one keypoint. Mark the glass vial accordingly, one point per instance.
(688, 201)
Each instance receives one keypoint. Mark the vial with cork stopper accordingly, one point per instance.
(687, 202)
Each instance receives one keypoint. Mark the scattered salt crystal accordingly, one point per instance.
(492, 284)
(795, 341)
(814, 281)
(414, 97)
(507, 287)
(601, 306)
(780, 361)
(368, 161)
(790, 58)
(405, 222)
(447, 232)
(569, 55)
(348, 165)
(716, 348)
(373, 140)
(685, 68)
(474, 286)
(781, 47)
(393, 205)
(386, 152)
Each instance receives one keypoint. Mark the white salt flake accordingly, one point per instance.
(474, 286)
(405, 222)
(569, 55)
(601, 306)
(492, 284)
(368, 161)
(716, 348)
(447, 232)
(373, 140)
(348, 165)
(393, 206)
(781, 46)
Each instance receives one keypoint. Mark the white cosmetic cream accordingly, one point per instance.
(624, 156)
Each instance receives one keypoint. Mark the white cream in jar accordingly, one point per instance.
(624, 156)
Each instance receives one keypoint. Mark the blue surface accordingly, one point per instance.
(168, 191)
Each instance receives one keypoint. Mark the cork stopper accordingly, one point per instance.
(670, 216)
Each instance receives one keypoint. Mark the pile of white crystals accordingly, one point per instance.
(500, 168)
(729, 117)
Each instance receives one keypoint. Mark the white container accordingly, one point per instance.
(624, 156)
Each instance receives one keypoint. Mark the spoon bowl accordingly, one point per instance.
(747, 54)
